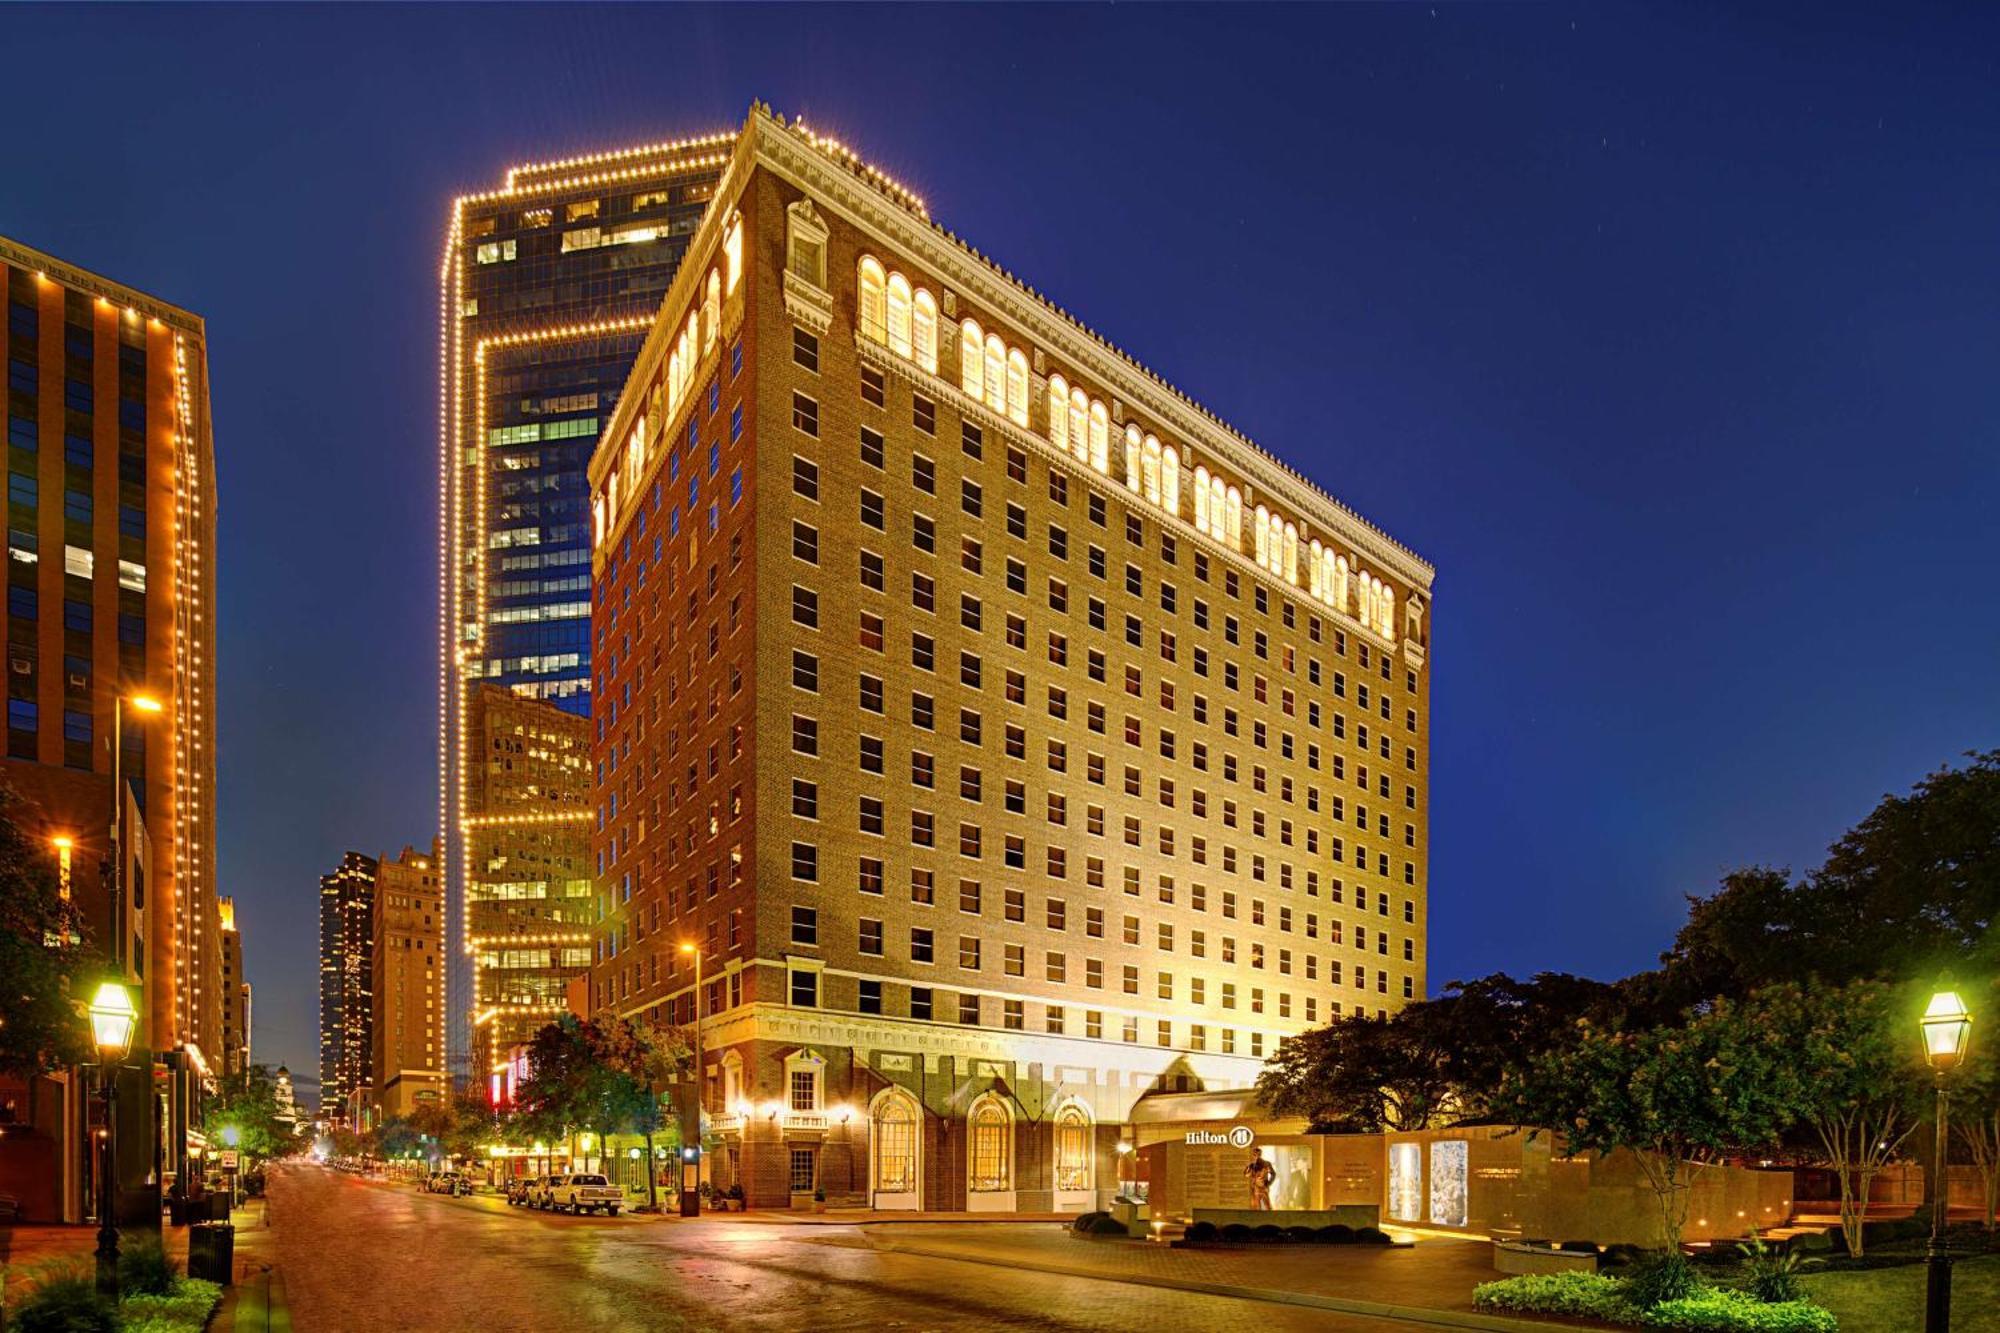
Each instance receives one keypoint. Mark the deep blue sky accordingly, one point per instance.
(1669, 337)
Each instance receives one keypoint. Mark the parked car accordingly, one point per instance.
(583, 1191)
(539, 1191)
(518, 1188)
(445, 1182)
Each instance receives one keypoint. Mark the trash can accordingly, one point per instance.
(218, 1206)
(212, 1251)
(177, 1210)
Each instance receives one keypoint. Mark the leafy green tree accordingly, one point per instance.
(248, 1103)
(1360, 1074)
(1860, 1089)
(1912, 889)
(1975, 1116)
(1672, 1096)
(46, 967)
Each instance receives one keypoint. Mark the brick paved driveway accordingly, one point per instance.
(358, 1255)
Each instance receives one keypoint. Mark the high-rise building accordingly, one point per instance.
(407, 988)
(346, 968)
(548, 284)
(110, 596)
(110, 590)
(1008, 736)
(235, 992)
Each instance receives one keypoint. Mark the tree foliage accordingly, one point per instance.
(46, 967)
(248, 1103)
(1672, 1095)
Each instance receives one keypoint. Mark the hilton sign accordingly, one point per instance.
(1236, 1136)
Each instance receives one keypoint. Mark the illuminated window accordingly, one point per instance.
(894, 1152)
(732, 252)
(1017, 387)
(1073, 1148)
(971, 360)
(1059, 412)
(990, 1148)
(899, 314)
(923, 330)
(874, 300)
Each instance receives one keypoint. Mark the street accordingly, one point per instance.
(358, 1254)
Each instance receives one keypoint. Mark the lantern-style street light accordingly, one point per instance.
(1947, 1028)
(112, 1019)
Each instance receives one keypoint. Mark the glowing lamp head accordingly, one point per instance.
(687, 948)
(62, 842)
(231, 1135)
(144, 703)
(1947, 1026)
(112, 1019)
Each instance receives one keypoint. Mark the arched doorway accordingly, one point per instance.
(895, 1157)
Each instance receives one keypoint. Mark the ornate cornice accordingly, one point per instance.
(1051, 329)
(83, 280)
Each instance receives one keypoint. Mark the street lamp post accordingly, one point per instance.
(112, 1019)
(1947, 1028)
(691, 1197)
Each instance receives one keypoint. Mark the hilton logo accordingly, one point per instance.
(1237, 1136)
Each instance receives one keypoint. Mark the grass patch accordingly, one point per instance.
(1891, 1300)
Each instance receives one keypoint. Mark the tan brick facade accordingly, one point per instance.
(408, 986)
(994, 793)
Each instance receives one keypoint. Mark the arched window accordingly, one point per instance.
(1261, 533)
(1149, 464)
(1017, 386)
(597, 519)
(1079, 426)
(1059, 412)
(1132, 465)
(1315, 569)
(1100, 438)
(989, 1146)
(711, 311)
(972, 360)
(1200, 499)
(923, 330)
(732, 250)
(1388, 625)
(1291, 553)
(1073, 1149)
(996, 373)
(1170, 481)
(899, 314)
(894, 1153)
(1340, 582)
(1233, 520)
(874, 300)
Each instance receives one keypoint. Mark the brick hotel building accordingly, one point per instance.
(1011, 737)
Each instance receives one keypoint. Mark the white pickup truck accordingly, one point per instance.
(584, 1191)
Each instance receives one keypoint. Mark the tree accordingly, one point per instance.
(653, 1058)
(1672, 1096)
(45, 965)
(1360, 1074)
(1975, 1115)
(248, 1103)
(1860, 1091)
(1913, 888)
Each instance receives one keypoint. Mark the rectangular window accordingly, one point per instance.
(805, 414)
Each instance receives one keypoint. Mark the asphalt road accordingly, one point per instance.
(358, 1255)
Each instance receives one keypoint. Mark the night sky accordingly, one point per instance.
(1670, 339)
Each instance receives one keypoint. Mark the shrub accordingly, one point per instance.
(1736, 1312)
(144, 1268)
(1810, 1242)
(1104, 1224)
(1269, 1232)
(1082, 1221)
(65, 1300)
(1334, 1234)
(1299, 1235)
(1589, 1295)
(1371, 1236)
(1202, 1233)
(184, 1310)
(1769, 1275)
(1236, 1233)
(1621, 1256)
(1664, 1276)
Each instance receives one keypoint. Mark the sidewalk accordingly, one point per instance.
(1429, 1284)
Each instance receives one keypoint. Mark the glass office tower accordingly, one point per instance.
(548, 286)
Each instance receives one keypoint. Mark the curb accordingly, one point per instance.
(1343, 1305)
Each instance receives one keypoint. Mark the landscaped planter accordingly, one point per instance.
(1517, 1257)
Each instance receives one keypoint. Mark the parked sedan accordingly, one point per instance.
(518, 1188)
(586, 1191)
